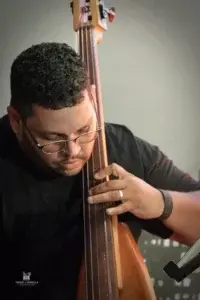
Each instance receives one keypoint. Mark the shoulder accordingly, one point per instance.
(120, 137)
(119, 132)
(2, 172)
(123, 148)
(6, 135)
(124, 137)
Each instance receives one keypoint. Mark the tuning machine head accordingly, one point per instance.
(93, 13)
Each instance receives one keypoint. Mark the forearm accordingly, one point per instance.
(185, 218)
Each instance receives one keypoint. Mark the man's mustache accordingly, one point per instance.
(72, 158)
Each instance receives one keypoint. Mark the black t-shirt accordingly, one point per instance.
(41, 227)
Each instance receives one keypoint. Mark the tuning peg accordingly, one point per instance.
(71, 6)
(111, 14)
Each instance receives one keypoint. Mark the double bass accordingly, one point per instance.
(113, 268)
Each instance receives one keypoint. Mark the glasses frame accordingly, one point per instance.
(41, 147)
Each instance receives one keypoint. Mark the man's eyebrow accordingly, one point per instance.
(64, 135)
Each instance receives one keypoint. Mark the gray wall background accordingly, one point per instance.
(150, 67)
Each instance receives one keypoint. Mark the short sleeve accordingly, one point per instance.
(1, 210)
(149, 163)
(160, 172)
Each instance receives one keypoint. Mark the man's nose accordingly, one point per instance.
(72, 148)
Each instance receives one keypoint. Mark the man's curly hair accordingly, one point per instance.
(51, 75)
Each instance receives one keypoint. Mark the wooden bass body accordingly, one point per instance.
(136, 281)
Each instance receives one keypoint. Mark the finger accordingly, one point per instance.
(112, 169)
(105, 197)
(118, 210)
(108, 186)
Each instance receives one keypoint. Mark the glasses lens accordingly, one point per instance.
(87, 137)
(60, 146)
(54, 147)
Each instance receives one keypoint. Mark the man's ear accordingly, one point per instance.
(14, 119)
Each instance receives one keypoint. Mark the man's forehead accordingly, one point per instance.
(67, 120)
(86, 124)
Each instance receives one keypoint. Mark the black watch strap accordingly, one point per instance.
(168, 205)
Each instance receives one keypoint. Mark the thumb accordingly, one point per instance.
(112, 169)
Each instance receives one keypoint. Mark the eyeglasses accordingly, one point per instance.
(61, 145)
